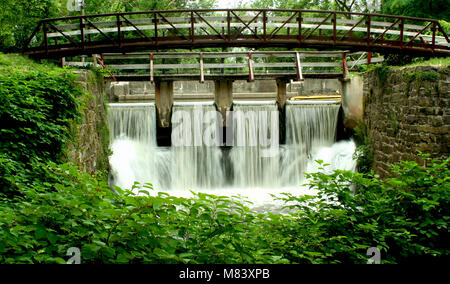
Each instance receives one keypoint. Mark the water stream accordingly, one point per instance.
(255, 166)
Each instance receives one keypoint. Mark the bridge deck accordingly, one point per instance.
(190, 29)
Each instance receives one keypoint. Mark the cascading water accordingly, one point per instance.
(255, 161)
(136, 121)
(197, 158)
(136, 156)
(309, 127)
(255, 167)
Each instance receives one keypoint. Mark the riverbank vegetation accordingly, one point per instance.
(47, 207)
(405, 217)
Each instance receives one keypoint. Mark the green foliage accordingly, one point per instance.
(393, 59)
(37, 104)
(421, 76)
(382, 73)
(437, 61)
(406, 217)
(18, 18)
(364, 152)
(436, 9)
(120, 228)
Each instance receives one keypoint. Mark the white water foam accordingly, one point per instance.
(311, 131)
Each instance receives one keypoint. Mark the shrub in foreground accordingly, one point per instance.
(406, 217)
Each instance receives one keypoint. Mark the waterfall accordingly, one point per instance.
(136, 121)
(197, 158)
(309, 128)
(255, 166)
(254, 160)
(136, 156)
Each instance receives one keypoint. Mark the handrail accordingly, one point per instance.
(200, 64)
(190, 29)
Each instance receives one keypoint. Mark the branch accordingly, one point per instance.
(344, 6)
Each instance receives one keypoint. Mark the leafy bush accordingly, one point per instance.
(405, 216)
(41, 225)
(364, 153)
(37, 104)
(46, 208)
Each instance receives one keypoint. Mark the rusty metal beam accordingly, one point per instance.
(301, 32)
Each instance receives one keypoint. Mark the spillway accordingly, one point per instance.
(255, 164)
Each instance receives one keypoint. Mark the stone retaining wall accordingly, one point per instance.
(90, 150)
(407, 110)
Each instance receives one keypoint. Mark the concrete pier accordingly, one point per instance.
(281, 93)
(352, 101)
(223, 97)
(164, 102)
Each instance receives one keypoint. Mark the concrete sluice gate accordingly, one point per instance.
(258, 149)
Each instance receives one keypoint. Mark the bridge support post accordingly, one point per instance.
(164, 102)
(281, 93)
(281, 101)
(223, 97)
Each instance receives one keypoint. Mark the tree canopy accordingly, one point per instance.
(18, 18)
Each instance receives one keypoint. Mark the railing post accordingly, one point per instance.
(44, 30)
(368, 23)
(265, 25)
(202, 75)
(402, 27)
(433, 39)
(344, 66)
(152, 75)
(369, 58)
(192, 27)
(229, 25)
(155, 20)
(82, 32)
(250, 68)
(334, 27)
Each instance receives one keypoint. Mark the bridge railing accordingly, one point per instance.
(249, 65)
(241, 27)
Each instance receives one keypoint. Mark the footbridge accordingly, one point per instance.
(213, 66)
(254, 28)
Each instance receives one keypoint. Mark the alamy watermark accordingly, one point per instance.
(375, 255)
(256, 129)
(75, 254)
(74, 5)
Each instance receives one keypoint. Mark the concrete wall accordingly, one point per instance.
(311, 87)
(352, 100)
(407, 110)
(189, 90)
